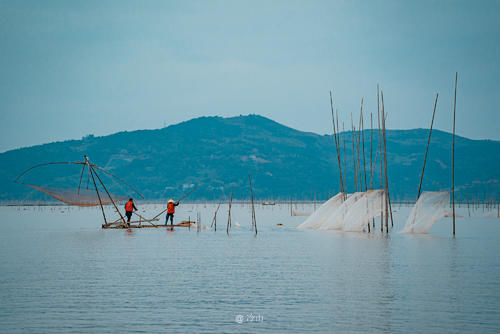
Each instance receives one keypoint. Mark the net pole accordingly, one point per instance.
(453, 155)
(381, 163)
(98, 195)
(110, 198)
(385, 167)
(427, 149)
(81, 176)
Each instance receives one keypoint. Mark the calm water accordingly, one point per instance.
(60, 272)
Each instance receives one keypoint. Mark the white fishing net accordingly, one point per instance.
(321, 214)
(336, 220)
(430, 207)
(350, 212)
(363, 210)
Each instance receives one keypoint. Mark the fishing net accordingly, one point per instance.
(362, 211)
(318, 217)
(84, 197)
(350, 214)
(336, 220)
(75, 183)
(430, 207)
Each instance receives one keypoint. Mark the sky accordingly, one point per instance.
(73, 68)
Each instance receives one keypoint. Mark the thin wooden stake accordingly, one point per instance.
(358, 140)
(97, 191)
(381, 163)
(229, 212)
(214, 220)
(336, 145)
(371, 150)
(345, 162)
(385, 167)
(363, 143)
(453, 154)
(427, 149)
(254, 221)
(107, 192)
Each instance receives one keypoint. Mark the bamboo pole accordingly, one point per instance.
(81, 176)
(371, 150)
(427, 149)
(453, 154)
(344, 176)
(345, 162)
(389, 195)
(354, 157)
(254, 221)
(141, 218)
(381, 163)
(214, 220)
(229, 212)
(180, 199)
(363, 143)
(88, 178)
(385, 167)
(107, 192)
(358, 140)
(336, 145)
(371, 158)
(97, 191)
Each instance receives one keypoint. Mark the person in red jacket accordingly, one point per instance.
(170, 211)
(129, 208)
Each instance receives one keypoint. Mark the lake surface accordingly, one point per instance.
(60, 272)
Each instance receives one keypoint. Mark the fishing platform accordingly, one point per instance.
(97, 194)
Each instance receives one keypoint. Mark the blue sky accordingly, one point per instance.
(68, 68)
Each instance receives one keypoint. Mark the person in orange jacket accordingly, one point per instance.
(170, 211)
(129, 208)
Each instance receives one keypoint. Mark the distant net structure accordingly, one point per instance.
(76, 183)
(430, 207)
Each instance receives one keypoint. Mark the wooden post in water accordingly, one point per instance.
(363, 146)
(358, 142)
(371, 158)
(344, 176)
(214, 220)
(381, 162)
(97, 191)
(336, 145)
(371, 150)
(427, 149)
(107, 192)
(385, 167)
(453, 154)
(229, 212)
(254, 221)
(345, 163)
(354, 157)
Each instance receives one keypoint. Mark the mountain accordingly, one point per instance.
(220, 153)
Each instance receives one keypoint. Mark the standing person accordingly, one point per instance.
(170, 211)
(129, 208)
